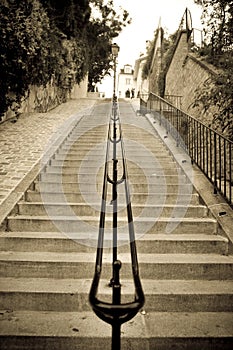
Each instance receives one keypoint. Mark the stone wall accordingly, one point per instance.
(186, 75)
(156, 63)
(43, 99)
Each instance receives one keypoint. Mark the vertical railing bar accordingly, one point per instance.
(224, 168)
(197, 142)
(219, 162)
(215, 163)
(207, 152)
(211, 157)
(203, 148)
(160, 112)
(177, 128)
(186, 130)
(199, 145)
(191, 139)
(230, 172)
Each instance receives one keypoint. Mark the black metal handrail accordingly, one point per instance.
(115, 313)
(208, 149)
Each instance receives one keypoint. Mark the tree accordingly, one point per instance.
(92, 24)
(63, 40)
(24, 49)
(102, 29)
(168, 47)
(218, 22)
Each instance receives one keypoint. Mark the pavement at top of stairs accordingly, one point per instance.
(23, 143)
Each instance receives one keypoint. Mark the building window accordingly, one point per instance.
(128, 70)
(127, 81)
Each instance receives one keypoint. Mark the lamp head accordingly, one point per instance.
(115, 49)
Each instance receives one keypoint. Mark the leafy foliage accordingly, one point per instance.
(101, 31)
(24, 48)
(149, 58)
(218, 22)
(168, 47)
(45, 39)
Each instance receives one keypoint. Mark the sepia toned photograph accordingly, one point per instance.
(116, 182)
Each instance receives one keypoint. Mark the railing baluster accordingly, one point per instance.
(207, 152)
(224, 167)
(230, 172)
(215, 163)
(219, 162)
(211, 156)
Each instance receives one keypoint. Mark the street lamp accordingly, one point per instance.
(115, 49)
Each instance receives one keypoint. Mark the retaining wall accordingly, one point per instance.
(43, 99)
(186, 75)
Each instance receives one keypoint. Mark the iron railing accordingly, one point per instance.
(115, 313)
(209, 150)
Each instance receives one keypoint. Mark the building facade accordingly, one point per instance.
(142, 85)
(126, 82)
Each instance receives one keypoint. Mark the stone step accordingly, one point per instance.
(83, 166)
(93, 209)
(151, 243)
(88, 157)
(153, 178)
(145, 153)
(93, 157)
(76, 145)
(85, 223)
(90, 136)
(84, 139)
(85, 169)
(83, 187)
(69, 167)
(83, 330)
(81, 265)
(66, 295)
(85, 135)
(139, 198)
(130, 164)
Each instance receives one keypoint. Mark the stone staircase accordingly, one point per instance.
(48, 251)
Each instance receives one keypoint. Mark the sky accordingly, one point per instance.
(145, 16)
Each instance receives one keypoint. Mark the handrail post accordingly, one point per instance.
(116, 299)
(114, 191)
(115, 313)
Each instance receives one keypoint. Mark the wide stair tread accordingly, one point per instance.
(69, 294)
(80, 265)
(150, 243)
(79, 330)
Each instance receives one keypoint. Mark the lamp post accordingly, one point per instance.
(115, 49)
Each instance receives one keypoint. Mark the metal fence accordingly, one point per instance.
(209, 150)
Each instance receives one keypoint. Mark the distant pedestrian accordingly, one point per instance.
(127, 93)
(132, 92)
